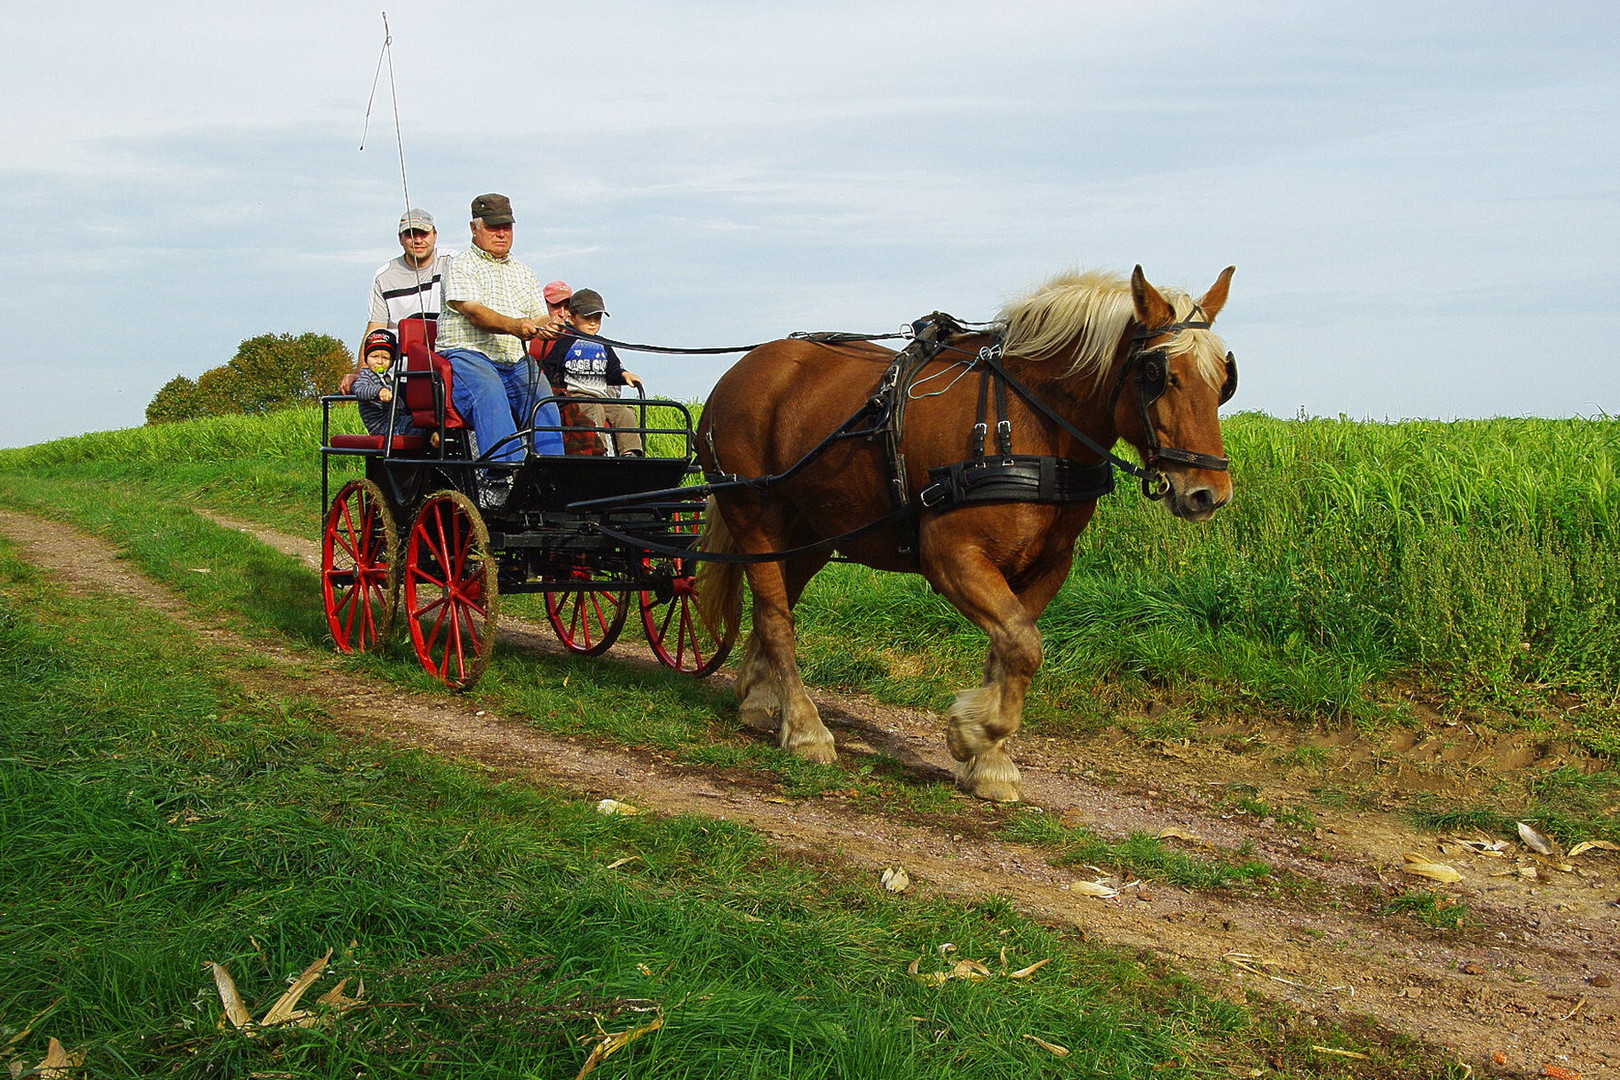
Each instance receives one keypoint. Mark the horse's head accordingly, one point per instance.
(1171, 384)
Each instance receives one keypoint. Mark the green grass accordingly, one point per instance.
(1431, 909)
(1137, 856)
(158, 816)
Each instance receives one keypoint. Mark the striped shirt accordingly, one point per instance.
(401, 290)
(503, 285)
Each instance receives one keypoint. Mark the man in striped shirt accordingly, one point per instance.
(407, 285)
(493, 306)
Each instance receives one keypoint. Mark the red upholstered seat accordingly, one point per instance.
(427, 376)
(375, 442)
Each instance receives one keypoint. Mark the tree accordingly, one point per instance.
(177, 400)
(268, 372)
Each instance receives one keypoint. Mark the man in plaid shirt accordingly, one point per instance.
(493, 306)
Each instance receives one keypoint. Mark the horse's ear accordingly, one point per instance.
(1215, 299)
(1152, 309)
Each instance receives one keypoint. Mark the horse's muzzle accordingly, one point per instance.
(1196, 502)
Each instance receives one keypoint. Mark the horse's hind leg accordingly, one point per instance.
(758, 690)
(768, 683)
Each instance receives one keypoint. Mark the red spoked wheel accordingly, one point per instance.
(450, 590)
(677, 633)
(587, 623)
(359, 570)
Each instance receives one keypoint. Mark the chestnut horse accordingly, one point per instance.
(1066, 350)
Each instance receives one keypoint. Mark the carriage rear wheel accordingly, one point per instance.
(450, 590)
(587, 623)
(359, 568)
(675, 631)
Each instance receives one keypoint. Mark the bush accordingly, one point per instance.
(177, 401)
(268, 372)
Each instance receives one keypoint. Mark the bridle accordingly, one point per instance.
(1151, 368)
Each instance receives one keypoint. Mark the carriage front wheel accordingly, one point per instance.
(359, 568)
(450, 591)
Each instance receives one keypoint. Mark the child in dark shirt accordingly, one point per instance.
(374, 386)
(590, 370)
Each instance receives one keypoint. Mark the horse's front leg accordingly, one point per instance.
(984, 718)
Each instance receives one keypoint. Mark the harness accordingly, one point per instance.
(1010, 477)
(1001, 477)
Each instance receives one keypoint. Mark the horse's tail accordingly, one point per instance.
(719, 584)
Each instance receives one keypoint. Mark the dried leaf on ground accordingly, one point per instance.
(1341, 1053)
(1059, 1051)
(1421, 866)
(58, 1063)
(235, 1009)
(338, 1001)
(1558, 1072)
(614, 806)
(895, 879)
(1173, 833)
(283, 1011)
(610, 1043)
(1496, 849)
(1024, 973)
(1536, 840)
(1588, 845)
(1093, 888)
(971, 970)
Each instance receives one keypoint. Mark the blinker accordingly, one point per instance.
(1229, 387)
(1150, 378)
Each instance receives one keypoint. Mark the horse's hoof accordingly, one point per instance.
(822, 751)
(990, 776)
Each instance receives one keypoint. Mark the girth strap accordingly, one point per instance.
(1020, 478)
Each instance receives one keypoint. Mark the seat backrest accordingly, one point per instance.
(416, 338)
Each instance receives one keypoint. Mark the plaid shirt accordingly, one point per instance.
(502, 285)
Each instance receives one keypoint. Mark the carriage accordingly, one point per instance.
(603, 538)
(974, 456)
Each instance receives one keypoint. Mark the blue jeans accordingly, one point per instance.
(496, 398)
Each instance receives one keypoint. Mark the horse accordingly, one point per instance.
(1091, 358)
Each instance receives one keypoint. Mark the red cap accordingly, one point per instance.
(557, 292)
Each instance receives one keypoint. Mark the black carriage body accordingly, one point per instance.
(593, 562)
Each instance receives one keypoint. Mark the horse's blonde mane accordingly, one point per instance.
(1092, 309)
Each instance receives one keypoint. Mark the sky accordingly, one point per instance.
(1422, 200)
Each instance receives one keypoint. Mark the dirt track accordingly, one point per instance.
(1533, 983)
